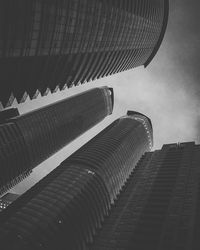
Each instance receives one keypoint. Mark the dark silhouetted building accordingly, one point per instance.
(7, 199)
(29, 139)
(65, 209)
(159, 207)
(46, 45)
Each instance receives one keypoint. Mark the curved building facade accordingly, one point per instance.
(29, 139)
(159, 207)
(62, 43)
(65, 209)
(115, 151)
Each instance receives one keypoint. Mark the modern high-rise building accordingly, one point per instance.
(29, 139)
(159, 207)
(46, 45)
(65, 209)
(7, 199)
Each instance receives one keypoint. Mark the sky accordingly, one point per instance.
(167, 91)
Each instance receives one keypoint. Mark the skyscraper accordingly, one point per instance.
(29, 139)
(158, 207)
(53, 44)
(65, 209)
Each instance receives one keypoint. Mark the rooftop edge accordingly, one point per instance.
(130, 112)
(162, 33)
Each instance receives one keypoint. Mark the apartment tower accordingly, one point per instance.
(65, 209)
(51, 44)
(29, 139)
(159, 207)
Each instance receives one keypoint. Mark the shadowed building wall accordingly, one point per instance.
(46, 45)
(158, 207)
(29, 139)
(65, 209)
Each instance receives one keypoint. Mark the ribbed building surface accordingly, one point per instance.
(29, 139)
(51, 44)
(115, 151)
(158, 208)
(65, 209)
(14, 158)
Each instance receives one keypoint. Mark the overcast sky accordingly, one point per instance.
(167, 91)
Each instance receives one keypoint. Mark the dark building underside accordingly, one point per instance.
(54, 44)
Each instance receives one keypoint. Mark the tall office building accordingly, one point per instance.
(29, 139)
(46, 45)
(159, 207)
(65, 209)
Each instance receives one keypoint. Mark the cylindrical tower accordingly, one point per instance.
(29, 139)
(64, 210)
(54, 44)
